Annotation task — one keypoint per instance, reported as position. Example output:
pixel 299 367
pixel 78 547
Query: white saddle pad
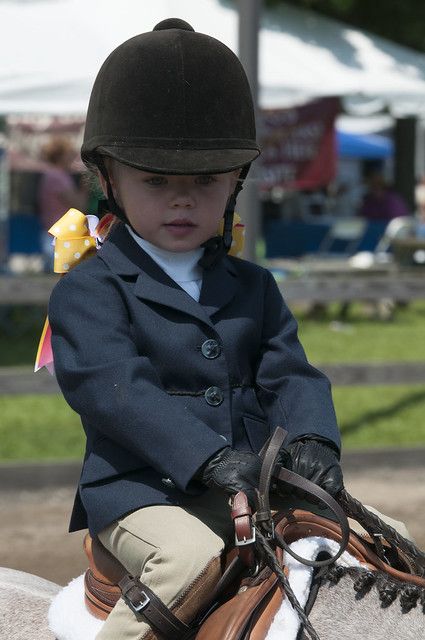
pixel 68 617
pixel 70 620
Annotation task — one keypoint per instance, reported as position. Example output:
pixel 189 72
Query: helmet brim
pixel 180 161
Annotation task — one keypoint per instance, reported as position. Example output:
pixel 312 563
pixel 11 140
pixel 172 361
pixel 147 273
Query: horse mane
pixel 389 589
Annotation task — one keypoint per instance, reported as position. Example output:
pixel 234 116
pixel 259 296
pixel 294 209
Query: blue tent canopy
pixel 355 145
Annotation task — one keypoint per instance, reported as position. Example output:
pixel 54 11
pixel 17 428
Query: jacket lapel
pixel 168 293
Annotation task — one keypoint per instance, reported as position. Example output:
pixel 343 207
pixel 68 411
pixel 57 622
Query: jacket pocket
pixel 257 432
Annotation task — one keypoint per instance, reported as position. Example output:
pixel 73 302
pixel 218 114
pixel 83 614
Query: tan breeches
pixel 168 547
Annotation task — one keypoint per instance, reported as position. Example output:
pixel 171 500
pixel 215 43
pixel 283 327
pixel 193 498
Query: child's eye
pixel 207 179
pixel 156 181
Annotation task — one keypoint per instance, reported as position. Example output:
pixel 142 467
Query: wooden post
pixel 404 161
pixel 248 204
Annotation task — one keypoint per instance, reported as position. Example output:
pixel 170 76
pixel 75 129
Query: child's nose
pixel 182 198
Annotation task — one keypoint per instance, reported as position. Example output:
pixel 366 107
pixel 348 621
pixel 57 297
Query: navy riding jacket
pixel 162 382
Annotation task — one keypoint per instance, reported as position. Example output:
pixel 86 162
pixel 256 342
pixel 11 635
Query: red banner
pixel 299 146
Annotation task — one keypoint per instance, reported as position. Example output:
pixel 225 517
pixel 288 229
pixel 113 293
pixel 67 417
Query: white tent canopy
pixel 304 56
pixel 51 50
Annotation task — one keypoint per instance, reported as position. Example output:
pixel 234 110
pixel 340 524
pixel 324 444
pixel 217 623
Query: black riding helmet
pixel 172 101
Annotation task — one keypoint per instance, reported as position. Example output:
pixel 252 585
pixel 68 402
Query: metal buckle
pixel 139 606
pixel 245 541
pixel 379 547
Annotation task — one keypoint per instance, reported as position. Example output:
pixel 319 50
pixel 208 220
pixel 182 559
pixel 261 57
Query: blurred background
pixel 335 208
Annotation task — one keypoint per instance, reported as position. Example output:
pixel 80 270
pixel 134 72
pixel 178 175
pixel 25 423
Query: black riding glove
pixel 232 471
pixel 316 461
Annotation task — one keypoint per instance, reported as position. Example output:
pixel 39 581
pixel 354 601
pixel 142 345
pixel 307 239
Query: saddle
pixel 244 596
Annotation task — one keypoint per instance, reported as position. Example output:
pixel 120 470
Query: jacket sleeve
pixel 293 394
pixel 112 387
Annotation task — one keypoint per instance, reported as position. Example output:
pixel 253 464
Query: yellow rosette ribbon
pixel 74 241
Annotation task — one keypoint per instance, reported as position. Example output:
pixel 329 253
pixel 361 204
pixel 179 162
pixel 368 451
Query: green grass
pixel 44 427
pixel 39 427
pixel 387 416
pixel 20 330
pixel 360 338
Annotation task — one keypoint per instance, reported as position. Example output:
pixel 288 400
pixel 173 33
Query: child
pixel 179 359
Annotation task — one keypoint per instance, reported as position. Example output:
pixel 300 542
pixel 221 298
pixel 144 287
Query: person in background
pixel 381 202
pixel 58 191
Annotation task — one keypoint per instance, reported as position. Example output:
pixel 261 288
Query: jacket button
pixel 210 349
pixel 214 396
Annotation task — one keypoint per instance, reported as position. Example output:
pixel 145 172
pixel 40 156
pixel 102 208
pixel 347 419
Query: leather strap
pixel 143 601
pixel 269 454
pixel 244 530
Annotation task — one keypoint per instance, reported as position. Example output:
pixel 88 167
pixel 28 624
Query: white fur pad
pixel 70 620
pixel 68 617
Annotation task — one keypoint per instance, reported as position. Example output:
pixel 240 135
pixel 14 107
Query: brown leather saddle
pixel 243 601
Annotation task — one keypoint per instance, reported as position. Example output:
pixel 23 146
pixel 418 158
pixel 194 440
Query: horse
pixel 24 603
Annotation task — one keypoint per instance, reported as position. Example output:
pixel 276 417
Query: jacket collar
pixel 125 258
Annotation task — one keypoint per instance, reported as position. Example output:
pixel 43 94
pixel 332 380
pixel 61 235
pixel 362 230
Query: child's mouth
pixel 180 227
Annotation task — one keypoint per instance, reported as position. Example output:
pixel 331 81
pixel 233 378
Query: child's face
pixel 176 213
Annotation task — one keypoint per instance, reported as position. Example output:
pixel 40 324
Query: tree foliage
pixel 399 20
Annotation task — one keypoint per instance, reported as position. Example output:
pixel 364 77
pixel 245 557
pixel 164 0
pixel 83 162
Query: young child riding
pixel 180 359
